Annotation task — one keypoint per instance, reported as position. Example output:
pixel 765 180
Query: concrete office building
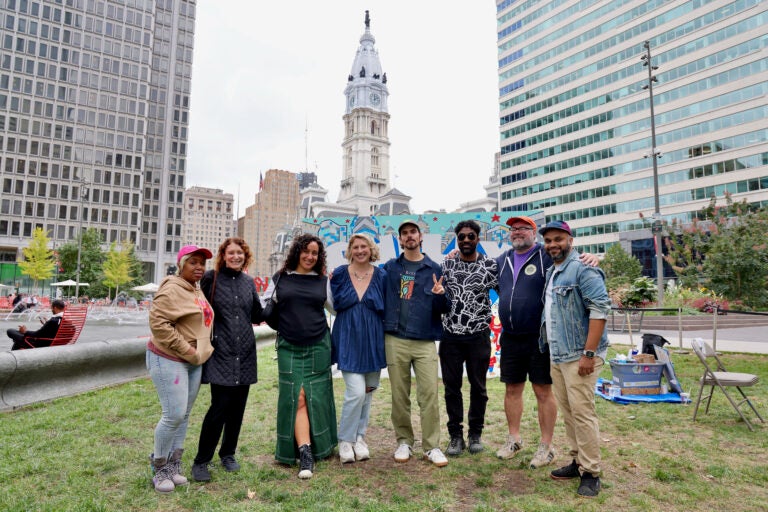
pixel 208 217
pixel 575 118
pixel 94 102
pixel 275 210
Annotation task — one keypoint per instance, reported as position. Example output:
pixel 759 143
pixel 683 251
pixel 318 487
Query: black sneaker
pixel 475 445
pixel 589 486
pixel 306 462
pixel 229 463
pixel 456 446
pixel 200 472
pixel 566 472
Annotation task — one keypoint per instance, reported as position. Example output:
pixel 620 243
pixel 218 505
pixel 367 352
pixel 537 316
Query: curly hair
pixel 474 226
pixel 371 245
pixel 298 246
pixel 221 253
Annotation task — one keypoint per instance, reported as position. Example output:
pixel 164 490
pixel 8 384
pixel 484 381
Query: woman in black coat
pixel 232 367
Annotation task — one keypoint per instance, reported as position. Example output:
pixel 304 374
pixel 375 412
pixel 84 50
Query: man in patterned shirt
pixel 466 336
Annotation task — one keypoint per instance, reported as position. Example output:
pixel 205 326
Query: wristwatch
pixel 589 354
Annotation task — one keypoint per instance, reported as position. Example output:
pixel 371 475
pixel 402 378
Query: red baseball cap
pixel 527 220
pixel 189 249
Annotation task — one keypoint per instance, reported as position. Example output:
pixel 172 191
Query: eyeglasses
pixel 517 230
pixel 468 236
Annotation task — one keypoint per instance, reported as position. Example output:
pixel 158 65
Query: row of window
pixel 695 109
pixel 710 126
pixel 31 188
pixel 726 77
pixel 619 39
pixel 633 53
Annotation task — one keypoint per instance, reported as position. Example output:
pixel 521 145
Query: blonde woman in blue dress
pixel 358 340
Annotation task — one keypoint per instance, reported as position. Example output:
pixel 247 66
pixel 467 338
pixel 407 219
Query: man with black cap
pixel 521 286
pixel 576 306
pixel 414 302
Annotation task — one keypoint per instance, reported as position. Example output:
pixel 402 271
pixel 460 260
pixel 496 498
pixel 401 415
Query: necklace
pixel 361 277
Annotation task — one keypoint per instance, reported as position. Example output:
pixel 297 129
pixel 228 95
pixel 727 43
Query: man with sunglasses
pixel 466 336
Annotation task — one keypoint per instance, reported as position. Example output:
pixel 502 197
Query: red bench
pixel 72 323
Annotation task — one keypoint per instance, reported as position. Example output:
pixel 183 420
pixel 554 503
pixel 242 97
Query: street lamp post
pixel 83 194
pixel 655 155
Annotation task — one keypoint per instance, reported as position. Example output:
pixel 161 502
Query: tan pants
pixel 575 397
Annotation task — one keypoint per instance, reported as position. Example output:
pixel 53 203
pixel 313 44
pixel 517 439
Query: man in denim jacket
pixel 576 305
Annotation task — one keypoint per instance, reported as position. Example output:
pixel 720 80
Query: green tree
pixel 621 268
pixel 117 266
pixel 91 261
pixel 39 263
pixel 725 250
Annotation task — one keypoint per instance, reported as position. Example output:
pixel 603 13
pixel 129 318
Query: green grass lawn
pixel 89 453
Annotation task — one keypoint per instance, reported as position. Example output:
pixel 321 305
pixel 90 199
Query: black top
pixel 236 308
pixel 300 303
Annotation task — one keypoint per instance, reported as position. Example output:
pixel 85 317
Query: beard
pixel 521 244
pixel 467 250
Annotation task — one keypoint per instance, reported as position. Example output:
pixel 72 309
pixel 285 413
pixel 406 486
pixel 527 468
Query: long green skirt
pixel 307 367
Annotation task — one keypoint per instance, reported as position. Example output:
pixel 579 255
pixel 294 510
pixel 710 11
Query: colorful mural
pixel 437 229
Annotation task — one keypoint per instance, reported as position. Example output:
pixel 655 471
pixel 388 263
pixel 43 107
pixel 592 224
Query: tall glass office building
pixel 94 102
pixel 575 118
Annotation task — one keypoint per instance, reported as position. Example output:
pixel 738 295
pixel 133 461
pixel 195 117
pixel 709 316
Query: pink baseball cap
pixel 189 249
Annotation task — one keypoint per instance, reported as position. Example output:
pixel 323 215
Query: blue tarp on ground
pixel 631 399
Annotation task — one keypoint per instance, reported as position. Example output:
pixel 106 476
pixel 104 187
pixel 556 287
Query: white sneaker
pixel 403 453
pixel 436 457
pixel 543 456
pixel 511 448
pixel 345 452
pixel 361 449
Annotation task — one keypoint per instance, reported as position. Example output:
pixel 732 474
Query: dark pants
pixel 18 339
pixel 475 353
pixel 226 413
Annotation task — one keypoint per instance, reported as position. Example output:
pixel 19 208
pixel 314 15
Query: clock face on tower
pixel 351 101
pixel 375 98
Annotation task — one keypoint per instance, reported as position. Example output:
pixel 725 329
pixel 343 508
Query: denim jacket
pixel 579 295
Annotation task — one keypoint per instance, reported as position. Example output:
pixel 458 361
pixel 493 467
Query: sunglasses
pixel 467 236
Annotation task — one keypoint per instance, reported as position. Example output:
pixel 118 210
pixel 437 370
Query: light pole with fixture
pixel 83 194
pixel 655 155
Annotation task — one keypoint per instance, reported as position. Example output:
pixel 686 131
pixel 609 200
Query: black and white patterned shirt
pixel 467 284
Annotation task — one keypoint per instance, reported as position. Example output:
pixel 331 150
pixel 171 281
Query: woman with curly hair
pixel 300 292
pixel 232 368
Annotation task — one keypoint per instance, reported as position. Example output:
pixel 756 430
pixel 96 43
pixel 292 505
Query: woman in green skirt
pixel 303 357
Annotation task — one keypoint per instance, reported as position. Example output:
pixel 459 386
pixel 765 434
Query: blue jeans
pixel 357 404
pixel 177 384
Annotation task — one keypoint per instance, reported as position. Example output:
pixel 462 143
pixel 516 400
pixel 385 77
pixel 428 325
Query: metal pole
pixel 80 241
pixel 656 229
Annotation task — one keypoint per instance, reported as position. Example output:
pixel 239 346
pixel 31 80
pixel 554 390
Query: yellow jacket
pixel 181 317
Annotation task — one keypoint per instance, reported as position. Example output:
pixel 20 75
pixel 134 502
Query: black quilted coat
pixel 236 308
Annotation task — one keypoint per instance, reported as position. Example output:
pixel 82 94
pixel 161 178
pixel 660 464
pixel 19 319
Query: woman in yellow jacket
pixel 180 320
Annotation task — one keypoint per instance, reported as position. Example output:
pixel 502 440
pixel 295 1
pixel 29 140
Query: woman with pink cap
pixel 180 320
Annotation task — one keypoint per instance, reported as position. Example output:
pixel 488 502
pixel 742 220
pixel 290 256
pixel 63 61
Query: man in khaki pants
pixel 576 305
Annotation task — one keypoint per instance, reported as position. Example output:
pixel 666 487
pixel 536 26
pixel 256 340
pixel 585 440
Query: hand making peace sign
pixel 438 289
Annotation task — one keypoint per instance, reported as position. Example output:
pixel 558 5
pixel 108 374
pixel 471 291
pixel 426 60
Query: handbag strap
pixel 213 286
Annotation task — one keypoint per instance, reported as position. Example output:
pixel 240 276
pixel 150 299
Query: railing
pixel 626 324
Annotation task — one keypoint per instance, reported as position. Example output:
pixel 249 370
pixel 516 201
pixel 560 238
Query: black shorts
pixel 521 359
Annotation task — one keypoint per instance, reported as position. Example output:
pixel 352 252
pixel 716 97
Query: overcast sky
pixel 263 70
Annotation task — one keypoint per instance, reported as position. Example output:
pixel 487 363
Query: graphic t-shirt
pixel 407 281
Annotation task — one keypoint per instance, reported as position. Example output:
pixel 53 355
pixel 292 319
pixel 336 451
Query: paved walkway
pixel 748 339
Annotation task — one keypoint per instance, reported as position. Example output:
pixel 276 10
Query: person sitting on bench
pixel 24 338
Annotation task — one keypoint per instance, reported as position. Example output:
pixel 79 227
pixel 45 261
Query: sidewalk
pixel 751 340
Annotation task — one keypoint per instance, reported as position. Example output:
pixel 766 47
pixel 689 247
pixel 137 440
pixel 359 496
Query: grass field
pixel 89 453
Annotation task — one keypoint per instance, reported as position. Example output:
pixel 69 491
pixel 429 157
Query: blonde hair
pixel 371 245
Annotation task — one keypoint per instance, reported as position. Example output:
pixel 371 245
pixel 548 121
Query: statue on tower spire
pixel 367 20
